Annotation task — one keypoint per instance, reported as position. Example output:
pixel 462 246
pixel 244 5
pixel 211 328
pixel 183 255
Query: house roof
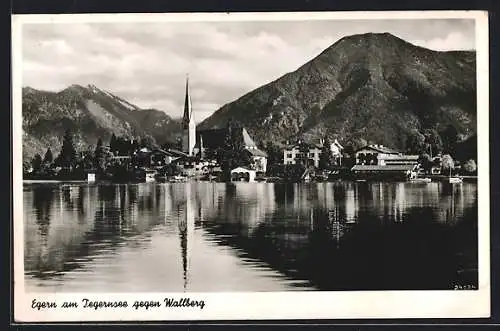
pixel 164 152
pixel 401 157
pixel 380 149
pixel 336 142
pixel 242 169
pixel 170 152
pixel 404 167
pixel 312 144
pixel 175 152
pixel 298 145
pixel 257 152
pixel 144 150
pixel 247 140
pixel 186 158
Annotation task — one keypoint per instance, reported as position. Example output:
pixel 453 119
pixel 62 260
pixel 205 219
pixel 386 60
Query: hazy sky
pixel 146 63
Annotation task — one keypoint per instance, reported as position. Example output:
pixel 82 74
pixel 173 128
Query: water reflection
pixel 250 237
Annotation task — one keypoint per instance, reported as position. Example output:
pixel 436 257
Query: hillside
pixel 372 86
pixel 90 113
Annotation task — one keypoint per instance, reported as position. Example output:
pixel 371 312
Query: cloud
pixel 146 63
pixel 453 41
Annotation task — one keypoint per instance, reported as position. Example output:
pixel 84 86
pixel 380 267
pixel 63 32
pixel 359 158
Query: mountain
pixel 90 113
pixel 372 86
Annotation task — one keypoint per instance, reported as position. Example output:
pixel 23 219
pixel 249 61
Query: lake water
pixel 205 237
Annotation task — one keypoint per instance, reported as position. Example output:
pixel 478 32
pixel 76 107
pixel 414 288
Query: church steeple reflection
pixel 183 241
pixel 186 212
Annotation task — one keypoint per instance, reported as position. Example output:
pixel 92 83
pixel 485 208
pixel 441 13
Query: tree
pixel 358 143
pixel 447 162
pixel 113 146
pixel 293 172
pixel 67 157
pixel 326 158
pixel 348 150
pixel 233 154
pixel 425 162
pixel 303 155
pixel 178 143
pixel 274 154
pixel 36 163
pixel 100 156
pixel 433 142
pixel 349 155
pixel 450 138
pixel 470 166
pixel 171 169
pixel 48 158
pixel 26 166
pixel 149 142
pixel 134 145
pixel 87 161
pixel 415 143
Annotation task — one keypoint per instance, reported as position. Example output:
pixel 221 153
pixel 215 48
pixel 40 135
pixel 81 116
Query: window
pixel 289 155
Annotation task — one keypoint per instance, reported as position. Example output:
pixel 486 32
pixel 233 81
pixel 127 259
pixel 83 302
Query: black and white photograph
pixel 253 154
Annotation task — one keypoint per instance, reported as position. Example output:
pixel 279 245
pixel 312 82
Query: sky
pixel 146 63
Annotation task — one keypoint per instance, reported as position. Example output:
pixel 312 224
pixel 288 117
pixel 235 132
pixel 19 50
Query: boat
pixel 161 178
pixel 454 180
pixel 178 178
pixel 145 175
pixel 421 180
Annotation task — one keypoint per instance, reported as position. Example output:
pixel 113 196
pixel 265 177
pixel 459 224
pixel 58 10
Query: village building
pixel 293 152
pixel 192 165
pixel 243 174
pixel 382 155
pixel 215 139
pixel 436 165
pixel 155 158
pixel 380 161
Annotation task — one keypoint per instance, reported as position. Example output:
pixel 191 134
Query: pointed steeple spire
pixel 202 150
pixel 188 111
pixel 188 124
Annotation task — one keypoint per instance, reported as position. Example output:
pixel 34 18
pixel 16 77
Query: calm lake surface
pixel 204 237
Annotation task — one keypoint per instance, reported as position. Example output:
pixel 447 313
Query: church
pixel 188 124
pixel 194 143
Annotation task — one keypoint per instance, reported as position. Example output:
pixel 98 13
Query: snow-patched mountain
pixel 90 113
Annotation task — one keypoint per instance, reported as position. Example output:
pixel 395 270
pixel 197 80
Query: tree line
pixel 70 163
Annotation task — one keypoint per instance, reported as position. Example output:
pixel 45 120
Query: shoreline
pixel 435 179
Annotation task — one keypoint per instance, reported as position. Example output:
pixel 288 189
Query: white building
pixel 245 174
pixel 292 152
pixel 381 155
pixel 378 160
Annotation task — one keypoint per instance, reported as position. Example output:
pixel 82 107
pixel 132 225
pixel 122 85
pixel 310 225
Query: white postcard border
pixel 262 305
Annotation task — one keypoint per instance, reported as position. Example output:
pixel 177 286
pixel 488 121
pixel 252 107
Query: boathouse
pixel 243 174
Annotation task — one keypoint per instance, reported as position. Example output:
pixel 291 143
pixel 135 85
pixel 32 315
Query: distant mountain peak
pixel 91 113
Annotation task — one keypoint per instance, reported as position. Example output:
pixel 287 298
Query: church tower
pixel 188 124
